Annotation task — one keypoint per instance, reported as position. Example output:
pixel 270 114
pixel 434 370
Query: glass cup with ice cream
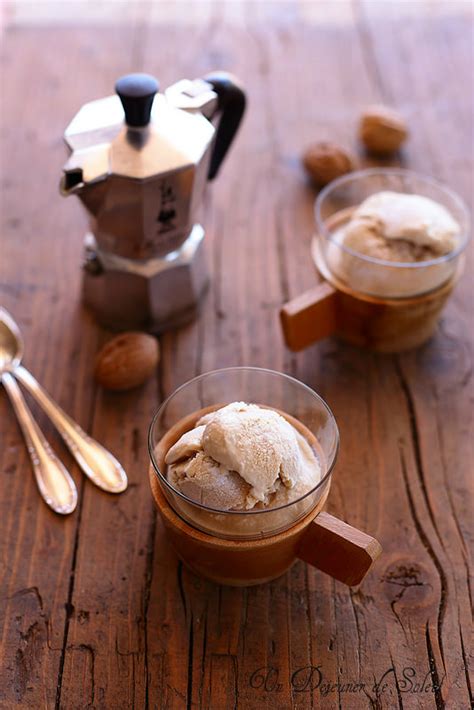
pixel 241 467
pixel 389 246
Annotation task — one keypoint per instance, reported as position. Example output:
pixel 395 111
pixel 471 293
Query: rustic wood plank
pixel 36 546
pixel 41 253
pixel 217 641
pixel 96 610
pixel 329 606
pixel 437 392
pixel 357 364
pixel 105 648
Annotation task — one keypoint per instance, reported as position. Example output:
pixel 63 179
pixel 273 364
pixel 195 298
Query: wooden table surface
pixel 96 610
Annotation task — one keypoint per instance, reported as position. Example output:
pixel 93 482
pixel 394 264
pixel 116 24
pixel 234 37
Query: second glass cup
pixel 384 305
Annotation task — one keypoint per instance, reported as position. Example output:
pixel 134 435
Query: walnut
pixel 127 361
pixel 382 129
pixel 326 161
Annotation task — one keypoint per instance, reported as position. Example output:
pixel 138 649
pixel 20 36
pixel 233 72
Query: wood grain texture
pixel 96 611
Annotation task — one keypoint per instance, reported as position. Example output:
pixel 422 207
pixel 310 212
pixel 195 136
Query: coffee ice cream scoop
pixel 204 480
pixel 400 227
pixel 240 456
pixel 394 227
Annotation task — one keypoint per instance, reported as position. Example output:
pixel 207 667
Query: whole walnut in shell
pixel 325 162
pixel 127 361
pixel 382 129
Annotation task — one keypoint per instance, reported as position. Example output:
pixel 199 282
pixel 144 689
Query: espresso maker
pixel 139 162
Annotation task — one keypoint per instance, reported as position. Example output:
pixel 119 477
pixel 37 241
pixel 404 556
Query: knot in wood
pixel 407 583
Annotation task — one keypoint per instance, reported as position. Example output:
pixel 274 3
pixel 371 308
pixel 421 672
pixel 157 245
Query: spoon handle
pixel 98 464
pixel 54 482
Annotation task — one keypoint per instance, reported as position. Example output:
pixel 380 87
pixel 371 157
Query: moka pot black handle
pixel 231 102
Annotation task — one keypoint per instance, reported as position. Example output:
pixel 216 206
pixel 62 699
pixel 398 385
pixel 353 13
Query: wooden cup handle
pixel 338 549
pixel 309 317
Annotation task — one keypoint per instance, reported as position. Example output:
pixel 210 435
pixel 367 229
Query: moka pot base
pixel 318 538
pixel 155 294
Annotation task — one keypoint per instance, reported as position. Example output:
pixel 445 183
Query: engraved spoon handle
pixel 54 482
pixel 98 464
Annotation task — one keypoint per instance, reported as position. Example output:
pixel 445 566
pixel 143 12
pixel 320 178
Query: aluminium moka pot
pixel 139 162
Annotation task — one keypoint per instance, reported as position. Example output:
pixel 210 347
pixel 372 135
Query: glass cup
pixel 246 547
pixel 385 305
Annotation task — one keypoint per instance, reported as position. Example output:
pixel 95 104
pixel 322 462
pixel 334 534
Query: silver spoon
pixel 98 464
pixel 54 482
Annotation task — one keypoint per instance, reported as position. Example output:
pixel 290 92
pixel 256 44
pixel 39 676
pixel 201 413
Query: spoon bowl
pixel 11 342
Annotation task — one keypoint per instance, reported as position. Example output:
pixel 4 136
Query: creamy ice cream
pixel 398 227
pixel 242 457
